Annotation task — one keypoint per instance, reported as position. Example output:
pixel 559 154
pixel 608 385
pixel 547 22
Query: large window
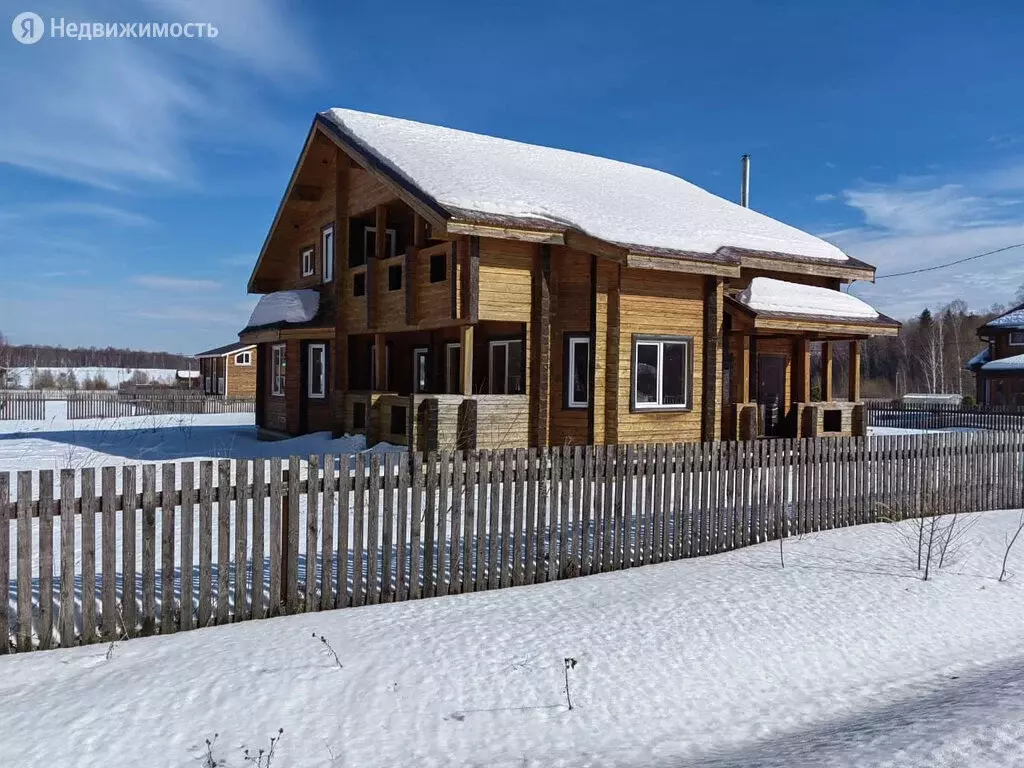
pixel 505 369
pixel 577 371
pixel 453 368
pixel 277 369
pixel 661 372
pixel 317 374
pixel 307 262
pixel 1017 338
pixel 327 252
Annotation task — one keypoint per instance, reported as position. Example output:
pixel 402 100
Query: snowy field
pixel 58 443
pixel 113 376
pixel 842 658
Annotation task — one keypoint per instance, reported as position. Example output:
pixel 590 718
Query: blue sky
pixel 138 177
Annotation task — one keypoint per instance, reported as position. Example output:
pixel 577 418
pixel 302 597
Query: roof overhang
pixel 815 326
pixel 774 261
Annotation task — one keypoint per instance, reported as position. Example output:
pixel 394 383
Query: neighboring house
pixel 442 288
pixel 999 368
pixel 229 370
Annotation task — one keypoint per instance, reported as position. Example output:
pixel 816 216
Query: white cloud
pixel 915 223
pixel 824 197
pixel 118 113
pixel 165 283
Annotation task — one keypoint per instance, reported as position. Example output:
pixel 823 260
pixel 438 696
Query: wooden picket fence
pixel 210 543
pixel 22 406
pixel 116 406
pixel 944 416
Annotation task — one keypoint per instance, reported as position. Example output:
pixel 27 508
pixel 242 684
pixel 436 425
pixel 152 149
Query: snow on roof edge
pixel 766 294
pixel 612 200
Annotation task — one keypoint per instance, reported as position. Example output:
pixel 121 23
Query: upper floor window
pixel 243 358
pixel 277 369
pixel 370 242
pixel 327 252
pixel 661 372
pixel 1017 338
pixel 307 262
pixel 359 284
pixel 438 267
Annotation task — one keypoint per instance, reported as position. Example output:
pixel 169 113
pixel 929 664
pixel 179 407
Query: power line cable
pixel 951 263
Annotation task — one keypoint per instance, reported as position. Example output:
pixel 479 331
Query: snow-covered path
pixel 844 657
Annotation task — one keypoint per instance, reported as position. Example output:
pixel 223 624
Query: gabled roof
pixel 227 349
pixel 469 175
pixel 1013 320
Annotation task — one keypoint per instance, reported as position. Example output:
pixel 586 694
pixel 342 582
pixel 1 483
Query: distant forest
pixel 40 356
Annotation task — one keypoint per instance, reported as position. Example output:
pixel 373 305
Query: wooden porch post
pixel 854 371
pixel 412 258
pixel 741 367
pixel 801 370
pixel 711 422
pixel 826 371
pixel 380 362
pixel 373 262
pixel 338 359
pixel 466 360
pixel 540 346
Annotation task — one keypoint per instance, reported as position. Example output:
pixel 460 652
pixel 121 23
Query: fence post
pixel 286 513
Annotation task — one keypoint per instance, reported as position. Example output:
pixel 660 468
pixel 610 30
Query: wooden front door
pixel 771 392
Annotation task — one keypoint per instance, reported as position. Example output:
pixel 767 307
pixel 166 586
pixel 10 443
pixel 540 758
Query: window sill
pixel 661 409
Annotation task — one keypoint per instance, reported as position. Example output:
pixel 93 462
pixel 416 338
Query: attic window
pixel 1017 339
pixel 359 284
pixel 307 262
pixel 395 277
pixel 438 267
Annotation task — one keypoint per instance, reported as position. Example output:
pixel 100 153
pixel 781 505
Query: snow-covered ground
pixel 58 443
pixel 843 657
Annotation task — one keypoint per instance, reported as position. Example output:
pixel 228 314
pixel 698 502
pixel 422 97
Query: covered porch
pixel 459 387
pixel 792 360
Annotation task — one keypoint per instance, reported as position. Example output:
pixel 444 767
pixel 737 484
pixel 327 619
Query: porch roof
pixel 778 305
pixel 1014 363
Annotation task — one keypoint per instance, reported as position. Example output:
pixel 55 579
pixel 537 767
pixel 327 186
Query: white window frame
pixel 308 262
pixel 425 351
pixel 575 341
pixel 490 363
pixel 243 358
pixel 1020 339
pixel 322 350
pixel 452 387
pixel 327 252
pixel 660 342
pixel 277 359
pixel 391 236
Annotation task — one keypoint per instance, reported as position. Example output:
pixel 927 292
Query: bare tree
pixel 1009 546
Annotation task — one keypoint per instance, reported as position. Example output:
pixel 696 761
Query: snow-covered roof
pixel 614 201
pixel 766 294
pixel 298 306
pixel 227 349
pixel 979 359
pixel 1012 320
pixel 187 374
pixel 1015 363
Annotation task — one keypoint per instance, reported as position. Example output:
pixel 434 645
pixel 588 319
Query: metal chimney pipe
pixel 745 181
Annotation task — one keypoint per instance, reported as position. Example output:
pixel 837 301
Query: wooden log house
pixel 445 289
pixel 999 368
pixel 229 371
